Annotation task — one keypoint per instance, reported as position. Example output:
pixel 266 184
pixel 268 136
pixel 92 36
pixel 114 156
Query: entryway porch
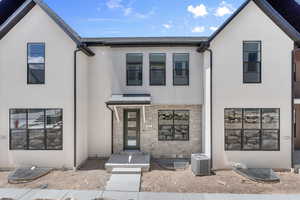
pixel 129 159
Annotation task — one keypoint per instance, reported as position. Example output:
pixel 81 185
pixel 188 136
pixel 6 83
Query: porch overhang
pixel 129 100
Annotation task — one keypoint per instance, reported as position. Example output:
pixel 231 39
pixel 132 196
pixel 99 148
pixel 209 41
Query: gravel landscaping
pixel 92 176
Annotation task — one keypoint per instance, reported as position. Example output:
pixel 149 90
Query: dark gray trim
pixel 142 68
pixel 165 69
pixel 27 6
pixel 44 81
pixel 45 129
pixel 260 129
pixel 278 19
pixel 271 13
pixel 173 64
pixel 112 128
pixel 293 124
pixel 260 71
pixel 126 128
pixel 75 107
pixel 128 102
pixel 145 41
pixel 16 17
pixel 173 126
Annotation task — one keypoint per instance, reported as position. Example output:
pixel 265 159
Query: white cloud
pixel 114 4
pixel 144 15
pixel 167 26
pixel 197 11
pixel 224 9
pixel 213 28
pixel 198 29
pixel 127 11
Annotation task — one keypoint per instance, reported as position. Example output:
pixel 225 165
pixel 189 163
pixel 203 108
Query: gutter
pixel 202 48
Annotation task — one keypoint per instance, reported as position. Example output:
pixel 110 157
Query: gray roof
pixel 270 12
pixel 142 41
pixel 26 7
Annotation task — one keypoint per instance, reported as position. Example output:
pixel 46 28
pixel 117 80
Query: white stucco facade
pixel 57 92
pixel 104 74
pixel 230 92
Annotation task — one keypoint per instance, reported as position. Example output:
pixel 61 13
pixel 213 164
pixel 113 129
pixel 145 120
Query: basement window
pixel 252 129
pixel 36 129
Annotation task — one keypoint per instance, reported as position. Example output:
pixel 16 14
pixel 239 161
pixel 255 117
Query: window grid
pixel 35 63
pixel 261 130
pixel 257 62
pixel 162 70
pixel 173 125
pixel 44 129
pixel 185 71
pixel 140 71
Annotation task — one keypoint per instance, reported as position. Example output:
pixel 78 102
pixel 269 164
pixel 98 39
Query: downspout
pixel 112 128
pixel 211 108
pixel 205 47
pixel 75 107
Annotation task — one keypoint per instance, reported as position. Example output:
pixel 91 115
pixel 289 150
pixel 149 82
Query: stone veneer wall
pixel 149 132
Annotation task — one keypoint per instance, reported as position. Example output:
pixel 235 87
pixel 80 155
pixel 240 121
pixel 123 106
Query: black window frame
pixel 245 62
pixel 27 129
pixel 261 130
pixel 173 126
pixel 127 83
pixel 188 70
pixel 44 63
pixel 150 74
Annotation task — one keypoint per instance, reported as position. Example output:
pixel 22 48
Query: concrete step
pixel 126 170
pixel 124 183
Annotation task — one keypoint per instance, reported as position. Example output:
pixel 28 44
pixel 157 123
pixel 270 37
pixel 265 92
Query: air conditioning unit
pixel 200 164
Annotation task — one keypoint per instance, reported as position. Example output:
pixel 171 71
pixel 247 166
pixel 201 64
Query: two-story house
pixel 65 98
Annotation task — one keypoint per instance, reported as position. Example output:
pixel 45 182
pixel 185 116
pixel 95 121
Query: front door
pixel 131 129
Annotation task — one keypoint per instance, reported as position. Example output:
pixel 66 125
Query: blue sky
pixel 126 18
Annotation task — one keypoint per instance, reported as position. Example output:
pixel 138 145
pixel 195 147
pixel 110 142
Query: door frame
pixel 125 128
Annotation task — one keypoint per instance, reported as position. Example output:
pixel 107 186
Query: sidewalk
pixel 33 194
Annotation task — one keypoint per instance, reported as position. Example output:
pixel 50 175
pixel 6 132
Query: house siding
pixel 230 92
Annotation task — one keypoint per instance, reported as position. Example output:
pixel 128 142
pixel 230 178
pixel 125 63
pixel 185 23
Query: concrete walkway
pixel 33 194
pixel 124 180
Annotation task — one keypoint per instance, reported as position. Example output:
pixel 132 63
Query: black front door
pixel 131 129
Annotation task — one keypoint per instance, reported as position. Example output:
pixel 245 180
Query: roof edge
pixel 229 20
pixel 16 17
pixel 276 17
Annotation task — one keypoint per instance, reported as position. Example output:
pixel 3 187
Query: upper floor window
pixel 252 62
pixel 181 69
pixel 134 68
pixel 36 63
pixel 157 69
